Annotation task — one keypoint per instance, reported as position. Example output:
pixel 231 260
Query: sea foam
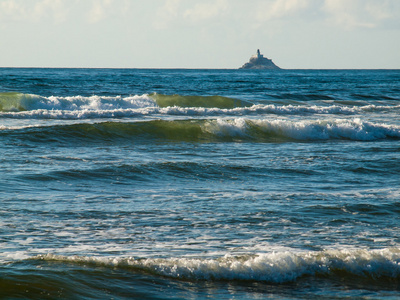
pixel 276 267
pixel 16 105
pixel 214 130
pixel 28 102
pixel 354 129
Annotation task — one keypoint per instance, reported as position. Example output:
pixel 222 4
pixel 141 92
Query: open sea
pixel 199 184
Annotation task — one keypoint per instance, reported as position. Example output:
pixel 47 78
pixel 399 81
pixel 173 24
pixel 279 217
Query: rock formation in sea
pixel 258 61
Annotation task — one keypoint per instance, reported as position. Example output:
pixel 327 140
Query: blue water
pixel 195 184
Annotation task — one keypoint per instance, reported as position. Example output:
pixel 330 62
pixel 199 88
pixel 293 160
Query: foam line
pixel 271 267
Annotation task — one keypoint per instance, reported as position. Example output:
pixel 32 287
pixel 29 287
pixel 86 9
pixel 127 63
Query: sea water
pixel 195 184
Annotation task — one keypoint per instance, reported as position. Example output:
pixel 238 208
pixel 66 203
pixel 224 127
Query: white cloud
pixel 99 10
pixel 60 10
pixel 206 10
pixel 103 9
pixel 54 8
pixel 280 8
pixel 10 7
pixel 361 13
pixel 348 14
pixel 379 10
pixel 12 10
pixel 166 13
pixel 18 10
pixel 178 11
pixel 171 7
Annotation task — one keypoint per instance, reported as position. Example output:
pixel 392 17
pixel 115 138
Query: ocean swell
pixel 27 106
pixel 211 130
pixel 277 267
pixel 17 102
pixel 198 101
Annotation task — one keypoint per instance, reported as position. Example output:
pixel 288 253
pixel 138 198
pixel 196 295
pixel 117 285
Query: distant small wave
pixel 211 130
pixel 277 267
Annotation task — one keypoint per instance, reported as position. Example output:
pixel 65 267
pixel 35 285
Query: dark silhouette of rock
pixel 260 62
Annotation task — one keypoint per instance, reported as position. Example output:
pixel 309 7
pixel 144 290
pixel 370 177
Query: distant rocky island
pixel 259 62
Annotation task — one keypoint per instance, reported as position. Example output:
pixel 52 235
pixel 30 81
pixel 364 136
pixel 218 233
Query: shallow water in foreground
pixel 193 184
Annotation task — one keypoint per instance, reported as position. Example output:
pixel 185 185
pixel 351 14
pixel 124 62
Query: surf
pixel 19 102
pixel 30 106
pixel 210 130
pixel 276 267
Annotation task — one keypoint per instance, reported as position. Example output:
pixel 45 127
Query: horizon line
pixel 181 68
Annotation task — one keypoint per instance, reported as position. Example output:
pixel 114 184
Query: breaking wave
pixel 211 130
pixel 17 102
pixel 27 106
pixel 376 265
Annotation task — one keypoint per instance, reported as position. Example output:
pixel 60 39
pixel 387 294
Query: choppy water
pixel 194 184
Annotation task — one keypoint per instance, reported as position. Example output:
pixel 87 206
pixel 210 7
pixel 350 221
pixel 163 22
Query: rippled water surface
pixel 194 184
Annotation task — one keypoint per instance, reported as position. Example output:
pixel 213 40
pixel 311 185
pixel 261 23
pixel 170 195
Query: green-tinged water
pixel 198 101
pixel 197 184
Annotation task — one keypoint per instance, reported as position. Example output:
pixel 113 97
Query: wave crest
pixel 27 106
pixel 211 130
pixel 272 267
pixel 17 102
pixel 198 101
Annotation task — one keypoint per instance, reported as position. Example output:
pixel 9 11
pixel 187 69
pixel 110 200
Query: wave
pixel 26 106
pixel 198 101
pixel 17 102
pixel 211 130
pixel 14 102
pixel 277 267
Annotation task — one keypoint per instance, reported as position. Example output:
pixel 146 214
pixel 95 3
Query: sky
pixel 295 34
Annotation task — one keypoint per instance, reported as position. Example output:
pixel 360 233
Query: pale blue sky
pixel 199 33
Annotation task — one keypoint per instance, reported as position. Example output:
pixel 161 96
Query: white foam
pixel 263 128
pixel 272 267
pixel 81 107
pixel 76 103
pixel 351 129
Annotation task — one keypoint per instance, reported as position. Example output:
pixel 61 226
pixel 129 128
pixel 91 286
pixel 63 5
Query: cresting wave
pixel 211 130
pixel 26 106
pixel 14 102
pixel 17 102
pixel 272 267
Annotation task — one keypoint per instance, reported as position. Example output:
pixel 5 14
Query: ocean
pixel 199 184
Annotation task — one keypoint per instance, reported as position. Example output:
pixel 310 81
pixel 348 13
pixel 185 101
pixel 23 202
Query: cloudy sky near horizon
pixel 199 33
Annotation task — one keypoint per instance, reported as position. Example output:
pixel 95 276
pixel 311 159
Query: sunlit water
pixel 191 184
